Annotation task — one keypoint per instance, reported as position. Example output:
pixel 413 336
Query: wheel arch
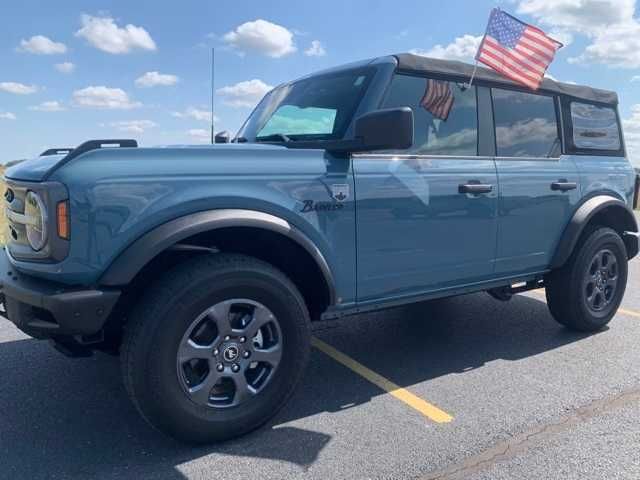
pixel 606 210
pixel 152 245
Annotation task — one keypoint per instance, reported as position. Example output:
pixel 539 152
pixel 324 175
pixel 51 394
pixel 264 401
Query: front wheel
pixel 586 292
pixel 215 348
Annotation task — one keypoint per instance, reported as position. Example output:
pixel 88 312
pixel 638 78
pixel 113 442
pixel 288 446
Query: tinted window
pixel 526 124
pixel 594 127
pixel 315 108
pixel 293 120
pixel 445 116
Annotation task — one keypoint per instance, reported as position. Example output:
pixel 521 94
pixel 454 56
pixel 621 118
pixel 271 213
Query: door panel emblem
pixel 340 192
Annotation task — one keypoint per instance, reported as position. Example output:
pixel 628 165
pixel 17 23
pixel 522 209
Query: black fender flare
pixel 127 265
pixel 581 218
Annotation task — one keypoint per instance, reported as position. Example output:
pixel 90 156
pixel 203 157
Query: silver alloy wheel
pixel 229 353
pixel 601 280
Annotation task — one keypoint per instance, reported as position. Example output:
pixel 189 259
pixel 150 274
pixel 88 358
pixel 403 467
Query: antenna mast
pixel 213 58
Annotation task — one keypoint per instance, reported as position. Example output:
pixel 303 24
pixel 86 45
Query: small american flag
pixel 517 50
pixel 438 99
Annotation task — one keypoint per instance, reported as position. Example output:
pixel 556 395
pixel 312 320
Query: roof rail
pixel 56 151
pixel 93 145
pixel 97 145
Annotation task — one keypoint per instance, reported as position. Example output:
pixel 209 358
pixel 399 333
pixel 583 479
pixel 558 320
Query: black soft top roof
pixel 411 62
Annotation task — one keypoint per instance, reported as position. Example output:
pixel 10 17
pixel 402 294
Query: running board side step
pixel 504 294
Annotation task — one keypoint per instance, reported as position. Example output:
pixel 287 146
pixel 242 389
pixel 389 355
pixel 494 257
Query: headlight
pixel 36 212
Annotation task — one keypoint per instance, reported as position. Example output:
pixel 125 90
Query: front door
pixel 426 217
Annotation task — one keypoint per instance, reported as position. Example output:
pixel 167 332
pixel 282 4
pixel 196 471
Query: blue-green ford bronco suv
pixel 376 184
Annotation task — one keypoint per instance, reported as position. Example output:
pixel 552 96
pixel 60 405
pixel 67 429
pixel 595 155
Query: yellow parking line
pixel 425 408
pixel 624 311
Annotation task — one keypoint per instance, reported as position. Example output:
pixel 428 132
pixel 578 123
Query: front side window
pixel 300 121
pixel 595 128
pixel 526 124
pixel 315 108
pixel 445 115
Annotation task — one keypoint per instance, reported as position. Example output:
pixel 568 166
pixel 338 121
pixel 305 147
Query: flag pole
pixel 473 75
pixel 475 67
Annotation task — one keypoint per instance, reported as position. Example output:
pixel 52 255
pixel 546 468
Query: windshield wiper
pixel 275 137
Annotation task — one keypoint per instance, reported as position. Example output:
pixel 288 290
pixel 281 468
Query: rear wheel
pixel 586 292
pixel 215 348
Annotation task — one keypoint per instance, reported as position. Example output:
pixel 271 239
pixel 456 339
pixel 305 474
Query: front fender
pixel 618 216
pixel 147 247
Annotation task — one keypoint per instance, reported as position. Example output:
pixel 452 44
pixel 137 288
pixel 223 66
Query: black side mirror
pixel 388 129
pixel 223 137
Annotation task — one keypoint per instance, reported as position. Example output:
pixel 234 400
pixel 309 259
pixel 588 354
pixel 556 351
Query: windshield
pixel 316 108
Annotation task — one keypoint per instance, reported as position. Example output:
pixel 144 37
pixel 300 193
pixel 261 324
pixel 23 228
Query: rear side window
pixel 526 124
pixel 445 115
pixel 595 128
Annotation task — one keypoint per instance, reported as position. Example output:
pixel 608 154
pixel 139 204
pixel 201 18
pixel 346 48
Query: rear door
pixel 539 186
pixel 426 216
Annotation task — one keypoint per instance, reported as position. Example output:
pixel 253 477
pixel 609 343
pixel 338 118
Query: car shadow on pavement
pixel 64 417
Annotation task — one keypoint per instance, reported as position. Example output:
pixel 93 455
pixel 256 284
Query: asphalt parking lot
pixel 479 390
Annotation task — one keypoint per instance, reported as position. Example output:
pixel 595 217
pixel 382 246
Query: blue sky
pixel 76 70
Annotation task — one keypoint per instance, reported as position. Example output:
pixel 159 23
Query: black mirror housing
pixel 388 129
pixel 223 137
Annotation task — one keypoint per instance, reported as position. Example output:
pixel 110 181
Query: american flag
pixel 438 99
pixel 517 50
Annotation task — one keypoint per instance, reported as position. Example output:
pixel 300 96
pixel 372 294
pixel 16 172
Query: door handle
pixel 563 186
pixel 475 188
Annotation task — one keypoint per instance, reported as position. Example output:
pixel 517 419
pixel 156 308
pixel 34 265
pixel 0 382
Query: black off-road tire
pixel 161 318
pixel 567 295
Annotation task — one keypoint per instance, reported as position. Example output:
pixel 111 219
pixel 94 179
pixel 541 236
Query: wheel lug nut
pixel 243 339
pixel 220 367
pixel 246 354
pixel 227 338
pixel 235 367
pixel 215 351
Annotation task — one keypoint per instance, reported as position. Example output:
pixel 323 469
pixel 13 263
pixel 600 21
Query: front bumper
pixel 45 309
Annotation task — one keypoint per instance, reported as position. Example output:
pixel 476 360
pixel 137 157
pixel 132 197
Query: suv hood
pixel 33 170
pixel 37 169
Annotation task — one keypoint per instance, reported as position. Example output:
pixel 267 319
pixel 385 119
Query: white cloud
pixel 7 116
pixel 262 37
pixel 244 94
pixel 563 36
pixel 50 106
pixel 195 114
pixel 609 24
pixel 315 50
pixel 578 15
pixel 635 78
pixel 18 88
pixel 617 46
pixel 631 127
pixel 104 34
pixel 462 48
pixel 104 97
pixel 155 79
pixel 133 126
pixel 200 135
pixel 65 67
pixel 41 45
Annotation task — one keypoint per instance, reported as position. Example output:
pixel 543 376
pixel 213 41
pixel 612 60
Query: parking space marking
pixel 624 311
pixel 402 394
